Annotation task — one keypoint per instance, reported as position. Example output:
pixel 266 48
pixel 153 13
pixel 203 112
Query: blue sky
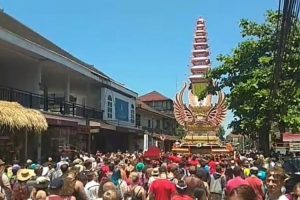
pixel 145 45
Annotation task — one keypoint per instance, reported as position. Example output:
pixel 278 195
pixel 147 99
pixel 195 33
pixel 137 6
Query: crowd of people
pixel 124 176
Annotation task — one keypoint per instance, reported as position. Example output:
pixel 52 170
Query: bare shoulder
pixel 79 185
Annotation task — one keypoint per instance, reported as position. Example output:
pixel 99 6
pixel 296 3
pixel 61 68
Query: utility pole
pixel 89 135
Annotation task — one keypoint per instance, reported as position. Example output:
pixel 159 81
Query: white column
pixel 67 87
pixel 146 136
pixel 89 96
pixel 39 90
pixel 38 79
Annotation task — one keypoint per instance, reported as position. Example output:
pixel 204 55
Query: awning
pixel 129 130
pixel 55 120
pixel 102 125
pixel 290 137
pixel 107 126
pixel 94 127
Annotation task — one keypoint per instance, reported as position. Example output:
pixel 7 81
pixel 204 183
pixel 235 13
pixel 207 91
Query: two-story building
pixel 155 116
pixel 84 107
pixel 158 102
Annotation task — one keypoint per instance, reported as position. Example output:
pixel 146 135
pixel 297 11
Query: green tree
pixel 221 133
pixel 248 73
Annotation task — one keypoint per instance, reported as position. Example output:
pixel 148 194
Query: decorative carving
pixel 194 116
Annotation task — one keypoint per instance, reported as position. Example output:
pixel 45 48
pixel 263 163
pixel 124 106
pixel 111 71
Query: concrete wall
pixel 23 76
pixel 94 96
pixel 85 92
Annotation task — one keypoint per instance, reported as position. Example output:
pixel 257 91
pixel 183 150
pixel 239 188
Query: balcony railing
pixel 49 104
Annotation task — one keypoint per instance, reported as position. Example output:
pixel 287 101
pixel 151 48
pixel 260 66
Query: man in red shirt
pixel 212 165
pixel 193 161
pixel 174 158
pixel 162 188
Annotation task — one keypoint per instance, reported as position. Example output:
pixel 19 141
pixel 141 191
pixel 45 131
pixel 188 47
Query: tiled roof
pixel 153 96
pixel 14 26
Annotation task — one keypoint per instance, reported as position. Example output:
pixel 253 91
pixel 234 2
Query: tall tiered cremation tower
pixel 200 118
pixel 200 63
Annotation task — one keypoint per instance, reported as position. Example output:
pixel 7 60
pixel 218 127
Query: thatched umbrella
pixel 37 120
pixel 13 116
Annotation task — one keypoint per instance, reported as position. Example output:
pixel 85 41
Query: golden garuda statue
pixel 199 116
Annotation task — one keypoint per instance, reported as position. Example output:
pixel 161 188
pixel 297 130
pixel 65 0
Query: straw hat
pixel 1 162
pixel 110 194
pixel 155 172
pixel 25 174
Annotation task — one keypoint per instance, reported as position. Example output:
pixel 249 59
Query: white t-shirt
pixel 6 183
pixel 91 190
pixel 123 187
pixel 283 197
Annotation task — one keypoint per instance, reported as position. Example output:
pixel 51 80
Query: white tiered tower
pixel 200 63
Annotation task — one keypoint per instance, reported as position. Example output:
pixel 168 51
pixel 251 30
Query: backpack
pixel 134 196
pixel 20 191
pixel 215 185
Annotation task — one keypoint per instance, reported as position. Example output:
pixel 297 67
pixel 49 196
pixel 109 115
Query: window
pixel 132 114
pixel 169 105
pixel 109 107
pixel 158 105
pixel 149 123
pixel 157 124
pixel 121 110
pixel 164 105
pixel 138 120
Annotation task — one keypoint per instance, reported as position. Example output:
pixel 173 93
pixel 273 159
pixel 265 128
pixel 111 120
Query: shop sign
pixel 294 147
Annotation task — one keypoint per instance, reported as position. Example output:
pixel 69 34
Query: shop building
pixel 85 109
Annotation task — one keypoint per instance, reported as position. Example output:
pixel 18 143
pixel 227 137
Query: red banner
pixel 289 137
